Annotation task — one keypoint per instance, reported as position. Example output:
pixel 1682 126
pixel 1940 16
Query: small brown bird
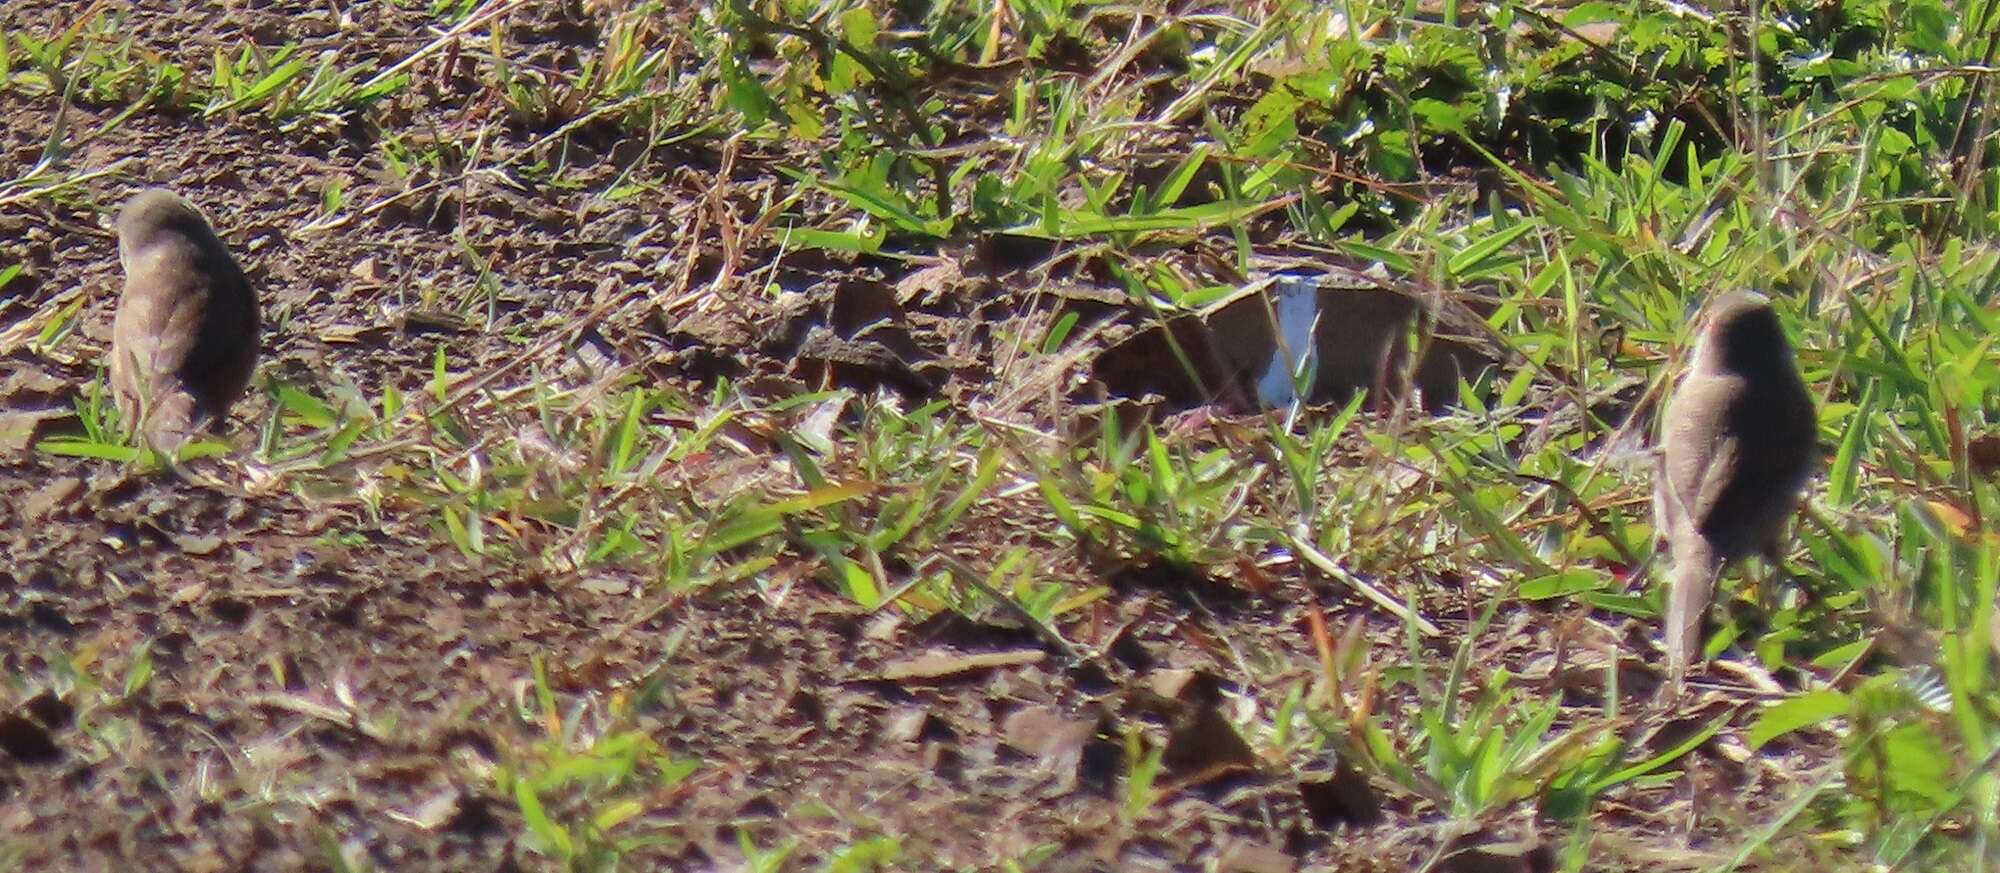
pixel 184 341
pixel 1738 440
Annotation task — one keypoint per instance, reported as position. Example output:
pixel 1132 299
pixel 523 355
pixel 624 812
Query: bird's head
pixel 1740 331
pixel 156 215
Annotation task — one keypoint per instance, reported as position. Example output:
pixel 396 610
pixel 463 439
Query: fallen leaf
pixel 940 664
pixel 928 282
pixel 1056 740
pixel 432 813
pixel 1246 857
pixel 606 585
pixel 198 544
pixel 19 430
pixel 369 271
pixel 906 725
pixel 1045 732
pixel 45 501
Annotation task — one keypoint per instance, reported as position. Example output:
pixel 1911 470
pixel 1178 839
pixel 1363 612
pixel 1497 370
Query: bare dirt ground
pixel 333 688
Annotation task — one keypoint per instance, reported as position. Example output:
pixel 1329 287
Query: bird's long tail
pixel 1690 586
pixel 167 416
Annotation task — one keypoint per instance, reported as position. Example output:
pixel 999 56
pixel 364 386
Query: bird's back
pixel 187 322
pixel 1737 452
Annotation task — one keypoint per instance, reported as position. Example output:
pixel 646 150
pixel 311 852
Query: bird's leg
pixel 1773 553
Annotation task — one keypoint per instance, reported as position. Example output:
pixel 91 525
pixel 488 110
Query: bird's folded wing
pixel 1722 473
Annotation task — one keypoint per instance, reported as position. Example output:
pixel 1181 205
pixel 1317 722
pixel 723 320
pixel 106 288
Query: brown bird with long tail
pixel 1737 447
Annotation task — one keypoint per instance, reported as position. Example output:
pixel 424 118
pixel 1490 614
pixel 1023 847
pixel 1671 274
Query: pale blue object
pixel 1296 303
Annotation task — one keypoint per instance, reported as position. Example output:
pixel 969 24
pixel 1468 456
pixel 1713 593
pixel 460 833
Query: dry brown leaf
pixel 940 664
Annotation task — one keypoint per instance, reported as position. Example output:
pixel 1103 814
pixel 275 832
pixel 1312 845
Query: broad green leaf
pixel 1797 713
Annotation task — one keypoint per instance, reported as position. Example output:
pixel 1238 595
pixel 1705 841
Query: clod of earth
pixel 1357 337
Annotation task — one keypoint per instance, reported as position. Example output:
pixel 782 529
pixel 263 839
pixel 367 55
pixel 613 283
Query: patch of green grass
pixel 581 789
pixel 94 61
